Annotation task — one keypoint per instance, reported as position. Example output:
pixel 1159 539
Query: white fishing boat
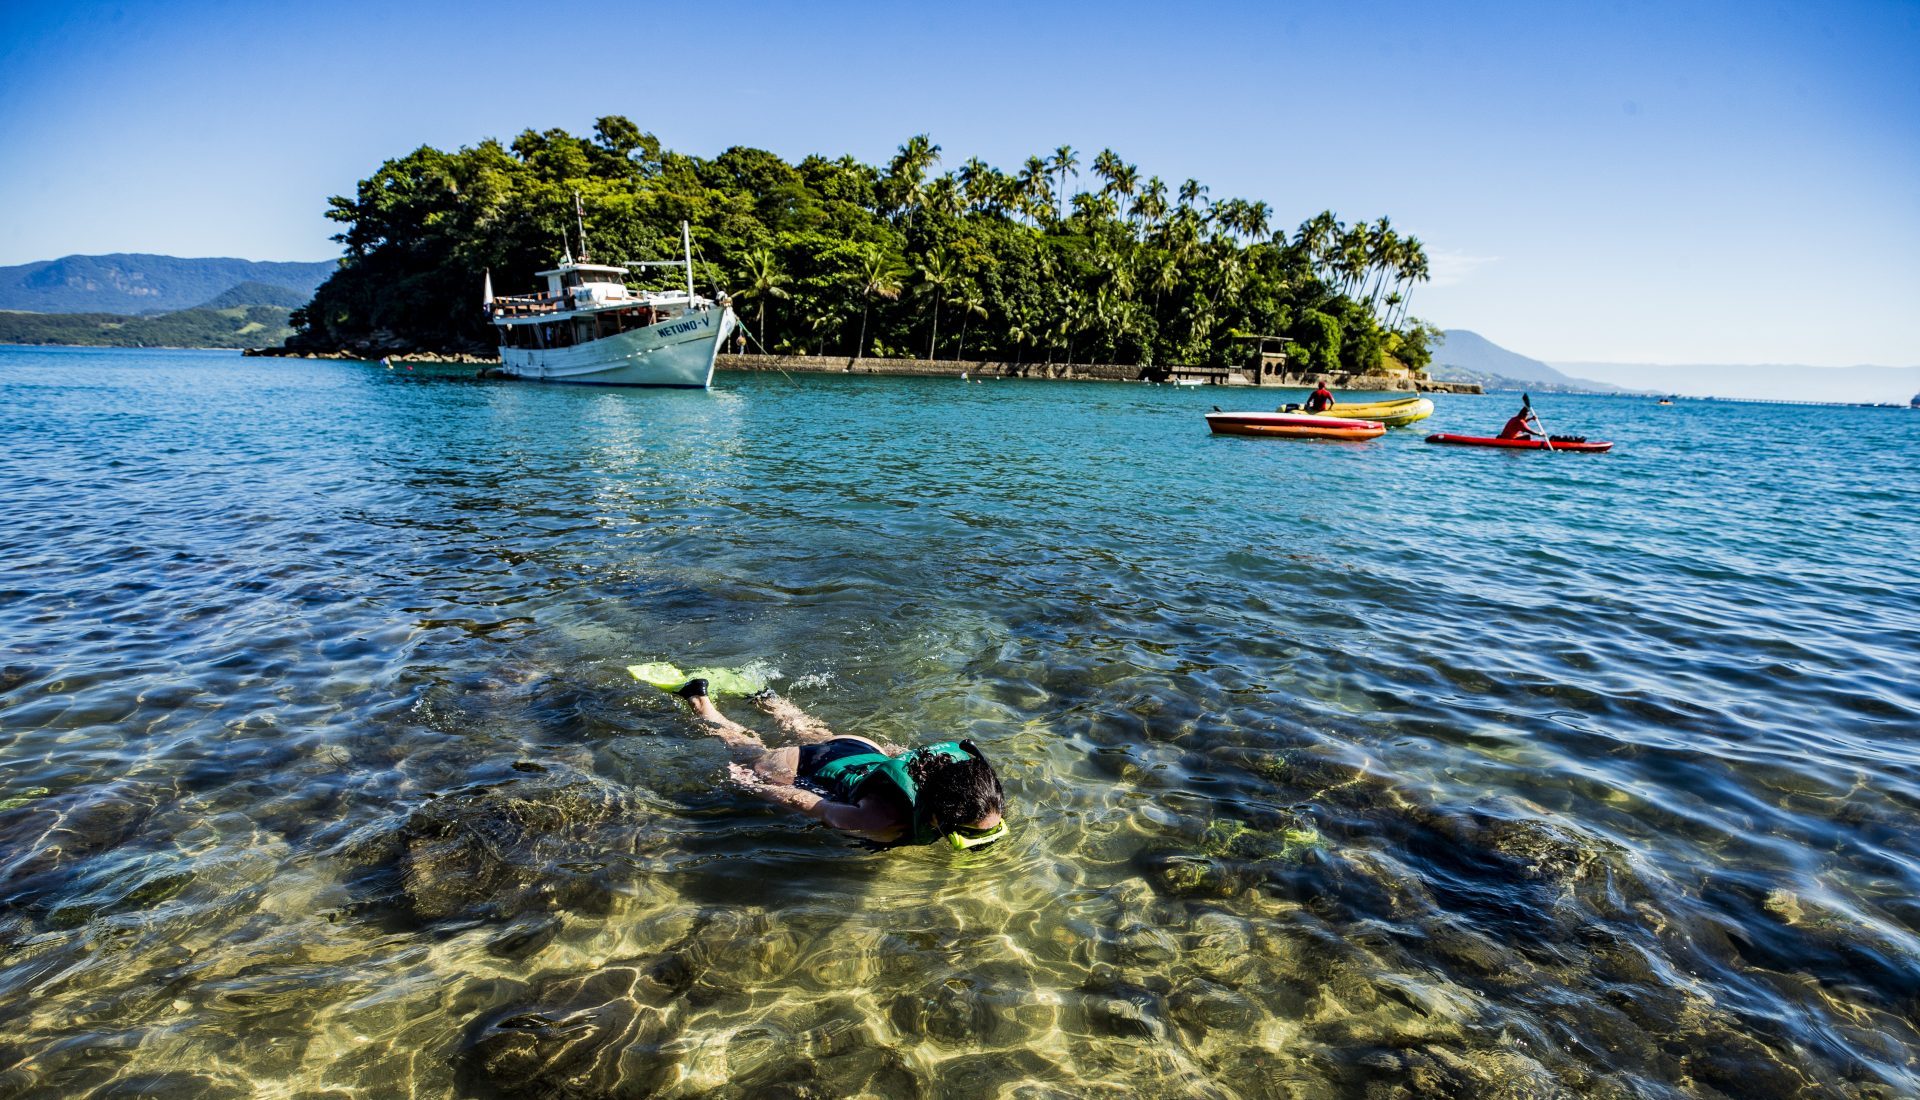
pixel 591 328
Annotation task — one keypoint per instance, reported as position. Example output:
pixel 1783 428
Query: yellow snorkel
pixel 962 839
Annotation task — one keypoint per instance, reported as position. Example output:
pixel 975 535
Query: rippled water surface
pixel 1370 770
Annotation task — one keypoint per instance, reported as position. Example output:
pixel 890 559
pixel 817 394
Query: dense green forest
pixel 241 326
pixel 836 257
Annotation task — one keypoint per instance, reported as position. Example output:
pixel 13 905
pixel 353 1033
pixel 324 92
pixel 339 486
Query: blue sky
pixel 1629 182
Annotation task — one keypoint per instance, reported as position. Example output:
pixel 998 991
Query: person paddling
pixel 1320 400
pixel 879 793
pixel 1523 423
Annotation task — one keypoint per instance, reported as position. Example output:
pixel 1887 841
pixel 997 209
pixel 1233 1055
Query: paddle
pixel 1526 402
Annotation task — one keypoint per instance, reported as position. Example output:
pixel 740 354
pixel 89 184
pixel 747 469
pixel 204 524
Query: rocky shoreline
pixel 953 368
pixel 374 357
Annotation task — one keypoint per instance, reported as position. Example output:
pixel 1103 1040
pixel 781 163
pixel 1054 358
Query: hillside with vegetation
pixel 240 326
pixel 139 283
pixel 1059 260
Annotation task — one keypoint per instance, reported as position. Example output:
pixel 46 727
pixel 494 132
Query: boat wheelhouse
pixel 590 327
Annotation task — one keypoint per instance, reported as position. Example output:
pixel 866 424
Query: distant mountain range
pixel 1764 381
pixel 136 283
pixel 1464 356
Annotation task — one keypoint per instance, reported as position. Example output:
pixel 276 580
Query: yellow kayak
pixel 1394 414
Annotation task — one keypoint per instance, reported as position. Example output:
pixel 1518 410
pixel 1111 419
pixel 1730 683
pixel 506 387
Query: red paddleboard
pixel 1293 425
pixel 1517 444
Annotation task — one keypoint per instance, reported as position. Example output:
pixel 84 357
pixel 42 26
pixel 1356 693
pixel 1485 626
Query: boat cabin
pixel 583 302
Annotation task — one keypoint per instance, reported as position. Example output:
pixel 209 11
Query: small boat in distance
pixel 590 328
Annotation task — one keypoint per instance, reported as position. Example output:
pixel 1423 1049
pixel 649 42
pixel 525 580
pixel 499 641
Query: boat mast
pixel 580 217
pixel 686 243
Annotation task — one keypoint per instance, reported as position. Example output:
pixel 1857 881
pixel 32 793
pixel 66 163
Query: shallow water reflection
pixel 1375 770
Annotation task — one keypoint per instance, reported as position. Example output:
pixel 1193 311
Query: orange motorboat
pixel 1281 425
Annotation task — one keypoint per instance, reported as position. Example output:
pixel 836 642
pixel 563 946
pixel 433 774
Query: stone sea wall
pixel 975 368
pixel 1075 372
pixel 934 368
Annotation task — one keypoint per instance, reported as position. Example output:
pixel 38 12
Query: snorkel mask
pixel 963 838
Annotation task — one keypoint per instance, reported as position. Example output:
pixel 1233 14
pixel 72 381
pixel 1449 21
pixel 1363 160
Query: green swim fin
pixel 720 681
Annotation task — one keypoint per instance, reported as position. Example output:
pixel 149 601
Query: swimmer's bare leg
pixel 745 743
pixel 804 727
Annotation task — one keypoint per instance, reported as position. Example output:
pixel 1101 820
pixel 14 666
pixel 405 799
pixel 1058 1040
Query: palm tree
pixel 971 305
pixel 1151 206
pixel 1193 193
pixel 1413 268
pixel 1383 249
pixel 764 280
pixel 975 182
pixel 1034 193
pixel 1164 276
pixel 908 171
pixel 1125 181
pixel 1064 161
pixel 1226 215
pixel 1022 332
pixel 941 197
pixel 878 276
pixel 1094 207
pixel 1254 220
pixel 1319 236
pixel 1355 254
pixel 936 275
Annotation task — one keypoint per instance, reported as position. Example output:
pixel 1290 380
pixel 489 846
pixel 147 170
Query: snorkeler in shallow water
pixel 877 792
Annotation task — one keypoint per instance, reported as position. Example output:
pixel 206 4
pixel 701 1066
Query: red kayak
pixel 1519 444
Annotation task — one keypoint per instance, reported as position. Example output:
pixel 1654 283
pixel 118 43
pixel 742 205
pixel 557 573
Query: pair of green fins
pixel 720 681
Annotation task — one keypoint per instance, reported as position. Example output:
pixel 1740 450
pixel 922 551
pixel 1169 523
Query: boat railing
pixel 529 306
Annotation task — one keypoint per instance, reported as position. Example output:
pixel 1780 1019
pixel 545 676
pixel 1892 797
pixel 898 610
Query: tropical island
pixel 840 258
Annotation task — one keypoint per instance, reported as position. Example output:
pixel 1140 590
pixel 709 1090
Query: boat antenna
pixel 580 216
pixel 686 242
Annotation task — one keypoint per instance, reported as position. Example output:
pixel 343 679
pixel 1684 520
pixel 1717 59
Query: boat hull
pixel 678 352
pixel 1518 444
pixel 1394 414
pixel 1293 426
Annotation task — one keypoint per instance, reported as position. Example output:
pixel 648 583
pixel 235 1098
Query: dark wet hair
pixel 956 792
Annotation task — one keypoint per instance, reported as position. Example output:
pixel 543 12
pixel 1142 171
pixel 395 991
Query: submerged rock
pixel 592 1035
pixel 526 936
pixel 532 843
pixel 1201 1006
pixel 44 837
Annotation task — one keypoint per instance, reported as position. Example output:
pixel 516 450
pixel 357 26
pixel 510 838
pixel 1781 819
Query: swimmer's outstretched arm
pixel 866 819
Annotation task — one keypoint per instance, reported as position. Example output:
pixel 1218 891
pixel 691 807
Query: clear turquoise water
pixel 1339 769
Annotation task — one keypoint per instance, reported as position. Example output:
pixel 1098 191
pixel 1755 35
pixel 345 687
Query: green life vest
pixel 849 777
